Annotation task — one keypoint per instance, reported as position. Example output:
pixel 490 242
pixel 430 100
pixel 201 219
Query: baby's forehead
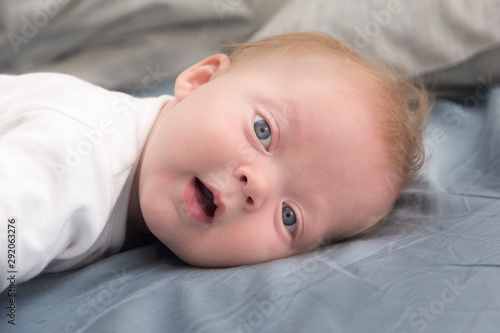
pixel 319 76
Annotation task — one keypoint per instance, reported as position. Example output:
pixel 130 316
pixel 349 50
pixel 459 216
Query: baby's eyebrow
pixel 284 109
pixel 289 110
pixel 286 112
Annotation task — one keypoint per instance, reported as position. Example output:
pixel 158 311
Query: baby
pixel 288 143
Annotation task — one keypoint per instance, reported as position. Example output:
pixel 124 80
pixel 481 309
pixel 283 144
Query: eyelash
pixel 273 126
pixel 298 224
pixel 265 142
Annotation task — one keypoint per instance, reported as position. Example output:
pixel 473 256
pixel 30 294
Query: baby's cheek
pixel 219 139
pixel 223 142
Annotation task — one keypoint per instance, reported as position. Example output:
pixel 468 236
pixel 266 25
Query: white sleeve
pixel 53 202
pixel 67 149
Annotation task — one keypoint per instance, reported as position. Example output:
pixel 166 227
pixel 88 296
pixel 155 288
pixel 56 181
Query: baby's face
pixel 262 162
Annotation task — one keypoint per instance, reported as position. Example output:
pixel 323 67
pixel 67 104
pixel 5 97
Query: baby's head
pixel 289 142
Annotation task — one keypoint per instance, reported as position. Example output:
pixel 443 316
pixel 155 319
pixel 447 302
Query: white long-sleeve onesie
pixel 68 153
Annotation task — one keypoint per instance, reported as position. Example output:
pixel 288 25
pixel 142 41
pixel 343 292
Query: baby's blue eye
pixel 289 218
pixel 263 131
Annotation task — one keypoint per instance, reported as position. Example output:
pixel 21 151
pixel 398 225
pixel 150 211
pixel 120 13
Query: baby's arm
pixel 18 190
pixel 67 149
pixel 49 202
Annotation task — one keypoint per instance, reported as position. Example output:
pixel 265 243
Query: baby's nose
pixel 255 189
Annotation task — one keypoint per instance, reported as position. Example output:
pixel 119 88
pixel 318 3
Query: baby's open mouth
pixel 205 198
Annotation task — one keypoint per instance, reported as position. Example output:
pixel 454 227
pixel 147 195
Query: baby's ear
pixel 199 74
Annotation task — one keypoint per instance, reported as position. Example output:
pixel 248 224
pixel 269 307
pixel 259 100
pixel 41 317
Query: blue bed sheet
pixel 434 266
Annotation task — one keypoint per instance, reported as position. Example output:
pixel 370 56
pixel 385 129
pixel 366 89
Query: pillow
pixel 452 44
pixel 127 45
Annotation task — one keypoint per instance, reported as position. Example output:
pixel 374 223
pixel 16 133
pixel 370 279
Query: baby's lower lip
pixel 192 205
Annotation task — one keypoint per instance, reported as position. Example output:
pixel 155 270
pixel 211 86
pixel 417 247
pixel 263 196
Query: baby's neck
pixel 137 232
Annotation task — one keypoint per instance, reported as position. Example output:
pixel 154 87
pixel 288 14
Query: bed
pixel 433 266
